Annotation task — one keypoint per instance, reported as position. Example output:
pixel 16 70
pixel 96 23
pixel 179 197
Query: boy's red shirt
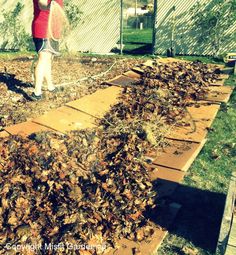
pixel 40 20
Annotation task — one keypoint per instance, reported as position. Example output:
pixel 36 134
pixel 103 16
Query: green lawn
pixel 202 194
pixel 207 60
pixel 138 41
pixel 12 54
pixel 138 36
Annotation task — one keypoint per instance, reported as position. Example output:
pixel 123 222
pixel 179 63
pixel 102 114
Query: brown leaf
pixel 12 219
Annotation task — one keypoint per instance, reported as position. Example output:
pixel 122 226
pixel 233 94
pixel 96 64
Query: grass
pixel 137 41
pixel 204 59
pixel 138 36
pixel 15 54
pixel 203 191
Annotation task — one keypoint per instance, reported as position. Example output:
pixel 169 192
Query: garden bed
pixel 16 84
pixel 128 133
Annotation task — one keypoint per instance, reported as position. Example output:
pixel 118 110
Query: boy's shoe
pixel 55 90
pixel 34 97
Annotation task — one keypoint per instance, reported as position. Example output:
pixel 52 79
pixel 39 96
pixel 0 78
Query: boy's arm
pixel 44 5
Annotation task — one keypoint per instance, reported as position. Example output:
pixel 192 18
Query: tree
pixel 13 33
pixel 73 12
pixel 211 20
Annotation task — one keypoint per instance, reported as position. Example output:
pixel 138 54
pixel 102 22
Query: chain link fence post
pixel 121 26
pixel 154 32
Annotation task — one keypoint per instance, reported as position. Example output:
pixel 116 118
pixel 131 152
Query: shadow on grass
pixel 199 219
pixel 133 49
pixel 136 43
pixel 145 49
pixel 14 84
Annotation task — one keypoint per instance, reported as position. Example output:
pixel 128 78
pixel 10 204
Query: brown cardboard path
pixel 165 173
pixel 81 113
pixel 219 82
pixel 25 128
pixel 166 179
pixel 138 70
pixel 204 113
pixel 65 119
pixel 3 134
pixel 178 155
pixel 132 74
pixel 122 80
pixel 149 247
pixel 189 133
pixel 219 94
pixel 98 103
pixel 224 77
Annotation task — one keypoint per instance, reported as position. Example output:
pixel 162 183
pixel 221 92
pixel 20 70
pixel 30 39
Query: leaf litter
pixel 92 186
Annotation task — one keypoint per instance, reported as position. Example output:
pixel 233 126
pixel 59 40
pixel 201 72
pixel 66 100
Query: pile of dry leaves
pixel 92 186
pixel 160 98
pixel 179 84
pixel 71 189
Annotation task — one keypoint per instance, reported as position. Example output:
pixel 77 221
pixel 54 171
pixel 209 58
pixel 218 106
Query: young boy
pixel 45 48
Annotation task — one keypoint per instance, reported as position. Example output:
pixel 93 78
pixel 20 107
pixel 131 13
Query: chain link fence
pixel 176 27
pixel 95 25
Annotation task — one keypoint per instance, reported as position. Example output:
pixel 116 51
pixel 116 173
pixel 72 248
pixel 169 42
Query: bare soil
pixel 75 77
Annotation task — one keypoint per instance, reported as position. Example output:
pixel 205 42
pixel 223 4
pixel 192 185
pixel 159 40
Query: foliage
pixel 131 3
pixel 73 13
pixel 146 19
pixel 13 33
pixel 211 20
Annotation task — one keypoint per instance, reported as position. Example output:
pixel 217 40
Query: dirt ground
pixel 73 75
